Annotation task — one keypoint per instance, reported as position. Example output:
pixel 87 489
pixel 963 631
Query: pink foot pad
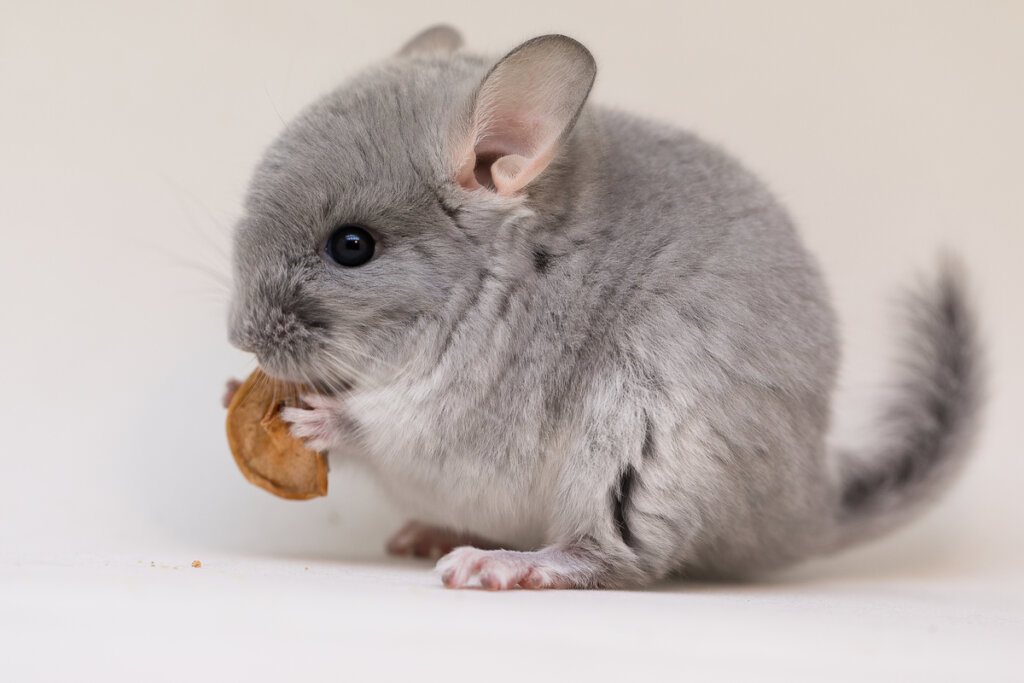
pixel 505 569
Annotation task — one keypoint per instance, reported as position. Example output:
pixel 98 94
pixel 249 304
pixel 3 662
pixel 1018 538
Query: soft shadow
pixel 919 552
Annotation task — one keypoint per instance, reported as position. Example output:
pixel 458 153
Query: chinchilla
pixel 590 345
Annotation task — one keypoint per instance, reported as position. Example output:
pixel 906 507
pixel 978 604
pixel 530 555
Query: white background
pixel 127 132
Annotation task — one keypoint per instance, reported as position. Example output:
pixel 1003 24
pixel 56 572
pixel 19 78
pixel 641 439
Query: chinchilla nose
pixel 267 331
pixel 279 337
pixel 277 321
pixel 239 328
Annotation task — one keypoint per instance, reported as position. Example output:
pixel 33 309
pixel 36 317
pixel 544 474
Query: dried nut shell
pixel 264 448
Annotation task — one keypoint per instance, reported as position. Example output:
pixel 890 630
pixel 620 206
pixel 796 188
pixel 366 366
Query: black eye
pixel 350 246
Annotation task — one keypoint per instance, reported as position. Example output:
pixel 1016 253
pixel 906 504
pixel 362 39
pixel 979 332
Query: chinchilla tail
pixel 926 428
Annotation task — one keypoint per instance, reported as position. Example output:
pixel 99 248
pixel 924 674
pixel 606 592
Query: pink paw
pixel 505 569
pixel 230 389
pixel 320 425
pixel 424 540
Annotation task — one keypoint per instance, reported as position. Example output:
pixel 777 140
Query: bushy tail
pixel 926 428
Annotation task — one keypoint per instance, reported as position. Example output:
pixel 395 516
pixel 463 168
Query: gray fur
pixel 928 422
pixel 440 39
pixel 631 361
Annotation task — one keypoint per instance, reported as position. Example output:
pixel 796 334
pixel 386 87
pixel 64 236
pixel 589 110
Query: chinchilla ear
pixel 437 40
pixel 524 108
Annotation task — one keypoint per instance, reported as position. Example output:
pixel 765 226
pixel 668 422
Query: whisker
pixel 338 383
pixel 219 248
pixel 216 276
pixel 274 105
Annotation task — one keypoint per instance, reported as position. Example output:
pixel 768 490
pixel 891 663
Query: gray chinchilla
pixel 595 341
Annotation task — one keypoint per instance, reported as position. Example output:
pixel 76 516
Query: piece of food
pixel 264 448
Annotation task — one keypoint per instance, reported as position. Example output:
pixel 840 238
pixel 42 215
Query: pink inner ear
pixel 511 151
pixel 523 109
pixel 507 173
pixel 505 137
pixel 513 172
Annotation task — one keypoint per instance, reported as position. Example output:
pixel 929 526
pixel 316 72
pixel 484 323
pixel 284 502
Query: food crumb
pixel 197 564
pixel 307 569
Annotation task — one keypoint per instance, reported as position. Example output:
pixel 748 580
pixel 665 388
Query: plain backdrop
pixel 127 134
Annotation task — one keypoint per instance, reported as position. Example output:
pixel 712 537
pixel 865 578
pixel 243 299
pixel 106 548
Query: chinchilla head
pixel 382 202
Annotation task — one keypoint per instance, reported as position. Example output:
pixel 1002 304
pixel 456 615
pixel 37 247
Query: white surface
pixel 244 619
pixel 127 132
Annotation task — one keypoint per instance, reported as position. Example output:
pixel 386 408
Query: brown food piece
pixel 196 564
pixel 264 448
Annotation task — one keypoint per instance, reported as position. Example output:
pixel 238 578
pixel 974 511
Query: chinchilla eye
pixel 350 246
